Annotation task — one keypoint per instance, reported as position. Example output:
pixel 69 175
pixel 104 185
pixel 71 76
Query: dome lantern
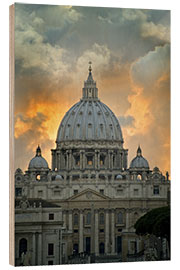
pixel 139 151
pixel 90 91
pixel 38 151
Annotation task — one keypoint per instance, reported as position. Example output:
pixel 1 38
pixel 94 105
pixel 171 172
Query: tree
pixel 156 221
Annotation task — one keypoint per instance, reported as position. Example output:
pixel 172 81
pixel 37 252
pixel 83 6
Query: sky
pixel 130 54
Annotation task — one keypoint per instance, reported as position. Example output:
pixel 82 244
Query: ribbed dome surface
pixel 139 162
pixel 89 120
pixel 38 163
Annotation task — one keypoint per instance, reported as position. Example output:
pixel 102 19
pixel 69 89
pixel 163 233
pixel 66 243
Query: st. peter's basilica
pixel 83 208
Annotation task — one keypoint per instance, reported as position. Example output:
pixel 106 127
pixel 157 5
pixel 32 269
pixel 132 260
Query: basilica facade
pixel 86 204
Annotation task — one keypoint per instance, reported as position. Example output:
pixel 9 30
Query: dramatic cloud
pixel 149 29
pixel 130 52
pixel 147 69
pixel 29 132
pixel 150 106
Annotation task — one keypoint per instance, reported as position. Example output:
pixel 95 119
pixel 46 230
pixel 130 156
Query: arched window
pixel 88 218
pixel 102 160
pixel 75 248
pixel 119 218
pixel 101 219
pixel 22 246
pixel 101 248
pixel 89 160
pixel 139 177
pixel 77 160
pixel 75 219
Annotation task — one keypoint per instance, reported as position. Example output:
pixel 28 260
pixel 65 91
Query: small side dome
pixel 119 177
pixel 18 171
pixel 38 162
pixel 58 177
pixel 156 170
pixel 139 161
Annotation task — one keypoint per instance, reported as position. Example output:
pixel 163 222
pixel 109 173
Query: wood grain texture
pixel 11 136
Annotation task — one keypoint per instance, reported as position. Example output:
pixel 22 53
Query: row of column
pixel 90 92
pixel 109 238
pixel 67 161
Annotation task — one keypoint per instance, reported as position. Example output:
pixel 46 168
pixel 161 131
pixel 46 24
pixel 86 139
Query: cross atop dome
pixel 90 91
pixel 90 69
pixel 90 77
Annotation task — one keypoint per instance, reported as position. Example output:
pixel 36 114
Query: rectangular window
pixel 136 192
pixel 101 230
pixel 50 262
pixel 51 216
pixel 75 191
pixel 101 191
pixel 120 192
pixel 18 191
pixel 40 193
pixel 156 190
pixel 75 231
pixel 76 219
pixel 50 249
pixel 56 192
pixel 75 177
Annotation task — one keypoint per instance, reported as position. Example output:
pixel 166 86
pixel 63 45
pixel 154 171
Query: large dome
pixel 89 119
pixel 38 162
pixel 139 162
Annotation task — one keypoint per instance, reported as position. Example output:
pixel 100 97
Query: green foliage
pixel 156 221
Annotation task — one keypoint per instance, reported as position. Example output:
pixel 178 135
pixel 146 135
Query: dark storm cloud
pixel 76 29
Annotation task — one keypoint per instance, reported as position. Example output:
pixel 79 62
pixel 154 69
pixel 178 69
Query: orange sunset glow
pixel 132 72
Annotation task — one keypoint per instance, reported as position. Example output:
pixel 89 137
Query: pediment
pixel 89 195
